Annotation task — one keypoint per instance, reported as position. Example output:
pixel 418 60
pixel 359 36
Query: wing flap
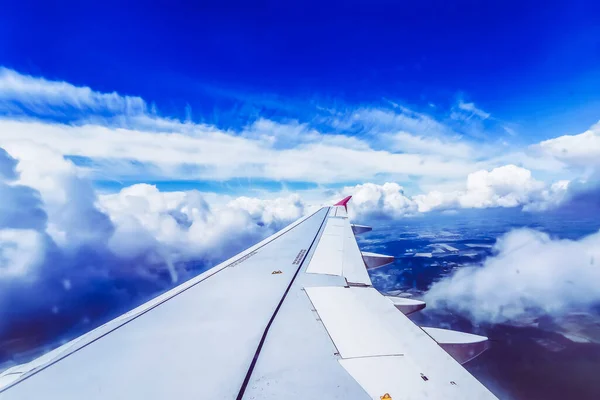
pixel 385 351
pixel 355 321
pixel 398 377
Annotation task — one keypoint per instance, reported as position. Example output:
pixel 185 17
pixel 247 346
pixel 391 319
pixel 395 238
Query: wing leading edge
pixel 294 316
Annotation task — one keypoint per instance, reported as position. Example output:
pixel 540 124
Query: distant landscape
pixel 537 357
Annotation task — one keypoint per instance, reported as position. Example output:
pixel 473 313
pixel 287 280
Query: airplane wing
pixel 293 317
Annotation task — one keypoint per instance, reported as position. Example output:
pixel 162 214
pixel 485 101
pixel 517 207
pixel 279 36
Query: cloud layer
pixel 117 137
pixel 506 186
pixel 531 274
pixel 121 137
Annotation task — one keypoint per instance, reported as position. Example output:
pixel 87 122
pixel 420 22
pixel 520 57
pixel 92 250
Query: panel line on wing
pixel 320 319
pixel 266 331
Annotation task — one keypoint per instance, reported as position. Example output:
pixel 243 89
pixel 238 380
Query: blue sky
pixel 533 63
pixel 308 95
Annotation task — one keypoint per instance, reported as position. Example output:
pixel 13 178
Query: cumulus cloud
pixel 530 274
pixel 7 166
pixel 555 196
pixel 580 150
pixel 68 197
pixel 581 154
pixel 506 186
pixel 21 217
pixel 272 212
pixel 21 206
pixel 21 250
pixel 184 226
pixel 379 201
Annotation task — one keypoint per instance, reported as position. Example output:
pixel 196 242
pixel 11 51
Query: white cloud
pixel 447 147
pixel 531 158
pixel 43 96
pixel 510 131
pixel 370 200
pixel 551 197
pixel 22 221
pixel 271 211
pixel 403 130
pixel 473 110
pixel 394 144
pixel 54 198
pixel 580 150
pixel 401 118
pixel 21 251
pixel 123 140
pixel 7 166
pixel 20 205
pixel 506 186
pixel 530 274
pixel 292 134
pixel 208 153
pixel 437 200
pixel 184 226
pixel 68 197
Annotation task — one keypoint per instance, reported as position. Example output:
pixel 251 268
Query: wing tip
pixel 343 202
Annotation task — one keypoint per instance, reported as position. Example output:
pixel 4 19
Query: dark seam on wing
pixel 264 336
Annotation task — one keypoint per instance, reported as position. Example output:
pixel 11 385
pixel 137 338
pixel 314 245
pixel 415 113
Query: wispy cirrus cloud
pixel 120 139
pixel 116 138
pixel 471 109
pixel 211 154
pixel 25 93
pixel 114 130
pixel 449 147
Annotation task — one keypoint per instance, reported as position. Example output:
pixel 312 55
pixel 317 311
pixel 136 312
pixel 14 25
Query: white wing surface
pixel 293 317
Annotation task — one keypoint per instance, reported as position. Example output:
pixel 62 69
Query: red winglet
pixel 343 202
